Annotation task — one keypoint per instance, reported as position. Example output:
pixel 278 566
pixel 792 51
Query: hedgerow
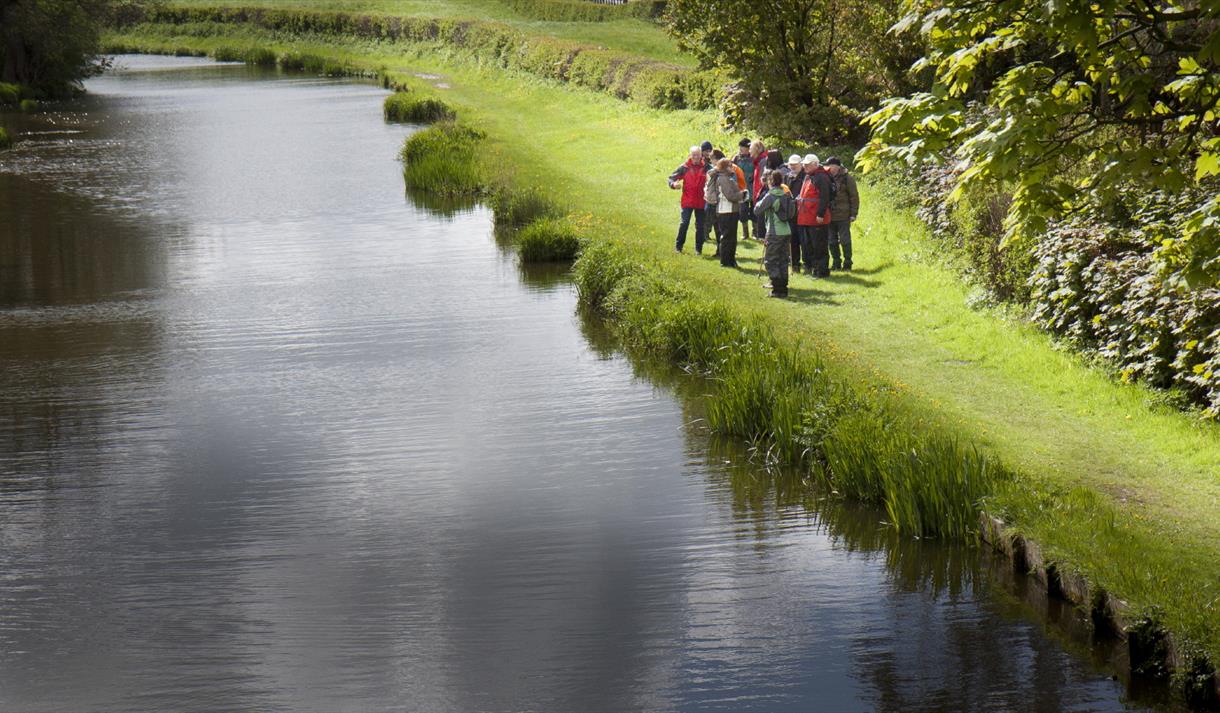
pixel 650 82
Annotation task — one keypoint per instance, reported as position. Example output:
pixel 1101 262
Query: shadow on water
pixel 73 318
pixel 966 653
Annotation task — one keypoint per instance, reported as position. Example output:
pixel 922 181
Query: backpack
pixel 785 208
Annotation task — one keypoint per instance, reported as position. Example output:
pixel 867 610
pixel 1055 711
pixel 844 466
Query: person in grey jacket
pixel 723 192
pixel 843 212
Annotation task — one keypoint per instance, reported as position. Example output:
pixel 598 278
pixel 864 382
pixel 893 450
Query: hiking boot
pixel 847 266
pixel 836 266
pixel 779 295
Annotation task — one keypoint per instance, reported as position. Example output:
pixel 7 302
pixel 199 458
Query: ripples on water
pixel 272 437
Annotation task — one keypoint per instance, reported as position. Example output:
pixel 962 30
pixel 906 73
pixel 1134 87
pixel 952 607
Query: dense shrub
pixel 1099 287
pixel 9 94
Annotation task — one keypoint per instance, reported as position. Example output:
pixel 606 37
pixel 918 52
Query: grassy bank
pixel 1120 489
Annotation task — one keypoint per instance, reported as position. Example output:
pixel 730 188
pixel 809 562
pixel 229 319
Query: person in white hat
pixel 793 178
pixel 813 217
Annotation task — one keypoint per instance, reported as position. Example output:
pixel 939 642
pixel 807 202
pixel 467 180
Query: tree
pixel 805 68
pixel 1073 104
pixel 49 45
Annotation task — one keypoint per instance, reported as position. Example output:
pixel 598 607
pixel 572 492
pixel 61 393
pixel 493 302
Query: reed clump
pixel 788 406
pixel 402 106
pixel 302 62
pixel 515 208
pixel 548 240
pixel 442 159
pixel 261 57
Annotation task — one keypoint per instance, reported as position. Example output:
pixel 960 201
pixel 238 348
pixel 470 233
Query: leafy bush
pixel 29 106
pixel 9 93
pixel 1099 286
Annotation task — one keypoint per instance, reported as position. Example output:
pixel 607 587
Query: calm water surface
pixel 272 437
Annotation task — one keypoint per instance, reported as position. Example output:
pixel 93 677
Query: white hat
pixel 696 149
pixel 811 158
pixel 794 158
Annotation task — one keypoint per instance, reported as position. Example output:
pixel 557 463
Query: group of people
pixel 802 209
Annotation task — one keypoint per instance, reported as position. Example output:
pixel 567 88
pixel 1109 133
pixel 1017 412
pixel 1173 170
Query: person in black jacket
pixel 794 178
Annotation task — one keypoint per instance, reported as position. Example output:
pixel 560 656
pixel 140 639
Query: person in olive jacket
pixel 843 211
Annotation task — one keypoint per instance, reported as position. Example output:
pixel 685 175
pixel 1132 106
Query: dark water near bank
pixel 273 438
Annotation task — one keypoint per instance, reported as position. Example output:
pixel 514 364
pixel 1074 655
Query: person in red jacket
pixel 813 217
pixel 691 177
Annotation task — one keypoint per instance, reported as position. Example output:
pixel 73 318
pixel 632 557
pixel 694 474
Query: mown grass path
pixel 1125 491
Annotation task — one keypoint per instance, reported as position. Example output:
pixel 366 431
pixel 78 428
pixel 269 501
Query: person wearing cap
pixel 795 178
pixel 744 160
pixel 813 217
pixel 843 210
pixel 724 192
pixel 691 177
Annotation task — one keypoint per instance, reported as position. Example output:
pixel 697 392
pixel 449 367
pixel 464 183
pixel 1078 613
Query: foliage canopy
pixel 806 68
pixel 50 44
pixel 1073 105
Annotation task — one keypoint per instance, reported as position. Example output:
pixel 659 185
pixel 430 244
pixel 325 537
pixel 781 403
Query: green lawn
pixel 1126 491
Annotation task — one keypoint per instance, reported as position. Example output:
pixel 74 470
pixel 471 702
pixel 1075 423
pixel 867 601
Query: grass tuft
pixel 548 240
pixel 442 160
pixel 402 106
pixel 515 208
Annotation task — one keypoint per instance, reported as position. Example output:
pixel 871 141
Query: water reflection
pixel 329 450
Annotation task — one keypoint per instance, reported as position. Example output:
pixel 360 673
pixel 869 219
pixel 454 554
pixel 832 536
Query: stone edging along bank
pixel 928 484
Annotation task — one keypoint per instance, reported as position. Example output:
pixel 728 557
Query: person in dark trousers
pixel 776 206
pixel 744 160
pixel 724 192
pixel 771 161
pixel 843 211
pixel 691 177
pixel 794 180
pixel 813 217
pixel 714 224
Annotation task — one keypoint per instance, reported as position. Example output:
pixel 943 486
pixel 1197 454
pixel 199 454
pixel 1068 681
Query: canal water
pixel 275 437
